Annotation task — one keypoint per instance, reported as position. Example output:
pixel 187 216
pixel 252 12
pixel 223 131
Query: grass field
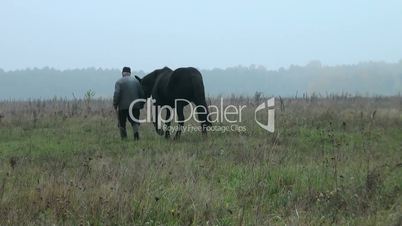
pixel 331 161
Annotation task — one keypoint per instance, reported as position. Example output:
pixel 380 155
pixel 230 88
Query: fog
pixel 205 34
pixel 364 79
pixel 241 47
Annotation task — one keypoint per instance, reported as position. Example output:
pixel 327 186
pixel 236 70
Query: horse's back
pixel 186 83
pixel 185 74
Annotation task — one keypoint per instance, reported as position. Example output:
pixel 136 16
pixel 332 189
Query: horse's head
pixel 148 82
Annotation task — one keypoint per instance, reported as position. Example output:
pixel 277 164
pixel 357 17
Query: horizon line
pixel 311 62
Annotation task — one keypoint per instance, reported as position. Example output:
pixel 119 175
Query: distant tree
pixel 375 78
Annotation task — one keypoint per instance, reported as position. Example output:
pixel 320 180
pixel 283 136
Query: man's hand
pixel 117 116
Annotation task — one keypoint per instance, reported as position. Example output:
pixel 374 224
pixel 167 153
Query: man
pixel 127 90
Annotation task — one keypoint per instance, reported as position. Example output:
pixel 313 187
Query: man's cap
pixel 127 69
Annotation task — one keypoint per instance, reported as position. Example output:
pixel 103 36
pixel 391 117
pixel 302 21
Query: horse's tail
pixel 199 97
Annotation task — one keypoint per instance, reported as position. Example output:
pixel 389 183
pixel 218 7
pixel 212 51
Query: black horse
pixel 167 86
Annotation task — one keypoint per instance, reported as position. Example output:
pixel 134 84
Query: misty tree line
pixel 372 78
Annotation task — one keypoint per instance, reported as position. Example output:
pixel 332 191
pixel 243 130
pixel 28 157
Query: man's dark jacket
pixel 127 89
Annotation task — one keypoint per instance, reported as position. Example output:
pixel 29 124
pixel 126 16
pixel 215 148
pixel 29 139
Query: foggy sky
pixel 205 34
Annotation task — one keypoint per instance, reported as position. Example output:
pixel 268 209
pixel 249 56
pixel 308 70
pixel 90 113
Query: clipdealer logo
pixel 269 105
pixel 223 113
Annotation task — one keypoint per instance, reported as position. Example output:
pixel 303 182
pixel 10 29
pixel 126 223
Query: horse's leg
pixel 180 116
pixel 203 115
pixel 168 121
pixel 158 131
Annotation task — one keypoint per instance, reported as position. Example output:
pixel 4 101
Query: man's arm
pixel 116 96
